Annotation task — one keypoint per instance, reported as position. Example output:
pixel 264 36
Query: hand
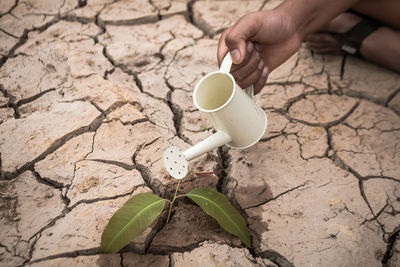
pixel 259 42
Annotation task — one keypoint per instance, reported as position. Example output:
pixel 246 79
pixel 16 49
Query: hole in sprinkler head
pixel 166 157
pixel 179 155
pixel 179 172
pixel 170 169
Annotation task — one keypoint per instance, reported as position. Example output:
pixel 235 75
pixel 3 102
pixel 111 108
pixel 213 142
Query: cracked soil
pixel 92 92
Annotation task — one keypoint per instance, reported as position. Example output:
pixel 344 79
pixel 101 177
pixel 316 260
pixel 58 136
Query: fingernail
pixel 235 54
pixel 264 72
pixel 260 65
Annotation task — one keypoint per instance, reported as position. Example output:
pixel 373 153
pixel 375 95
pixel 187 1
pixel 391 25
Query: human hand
pixel 259 42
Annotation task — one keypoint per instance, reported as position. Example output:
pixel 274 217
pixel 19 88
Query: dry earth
pixel 92 92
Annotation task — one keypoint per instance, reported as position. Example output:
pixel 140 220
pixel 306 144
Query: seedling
pixel 140 211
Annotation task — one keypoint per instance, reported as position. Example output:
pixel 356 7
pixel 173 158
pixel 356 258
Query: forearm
pixel 310 15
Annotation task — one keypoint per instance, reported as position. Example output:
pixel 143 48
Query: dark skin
pixel 261 41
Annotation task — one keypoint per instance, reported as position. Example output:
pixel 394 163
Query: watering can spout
pixel 177 162
pixel 216 140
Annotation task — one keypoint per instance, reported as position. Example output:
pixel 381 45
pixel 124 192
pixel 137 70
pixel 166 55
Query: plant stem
pixel 173 200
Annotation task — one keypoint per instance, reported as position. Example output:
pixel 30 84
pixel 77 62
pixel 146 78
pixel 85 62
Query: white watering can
pixel 239 122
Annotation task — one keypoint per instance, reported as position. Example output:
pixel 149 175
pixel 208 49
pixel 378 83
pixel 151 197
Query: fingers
pixel 258 78
pixel 251 71
pixel 249 63
pixel 259 84
pixel 223 49
pixel 239 34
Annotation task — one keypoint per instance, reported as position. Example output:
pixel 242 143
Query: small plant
pixel 140 211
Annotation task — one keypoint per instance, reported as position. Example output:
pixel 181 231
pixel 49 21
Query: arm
pixel 310 15
pixel 261 41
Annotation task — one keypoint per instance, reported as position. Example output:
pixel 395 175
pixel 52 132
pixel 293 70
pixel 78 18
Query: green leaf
pixel 130 221
pixel 218 206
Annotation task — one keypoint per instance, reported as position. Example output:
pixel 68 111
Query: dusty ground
pixel 92 93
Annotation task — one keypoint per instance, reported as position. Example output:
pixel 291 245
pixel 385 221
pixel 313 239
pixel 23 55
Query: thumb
pixel 243 30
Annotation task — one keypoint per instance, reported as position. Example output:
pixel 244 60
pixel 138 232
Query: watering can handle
pixel 226 67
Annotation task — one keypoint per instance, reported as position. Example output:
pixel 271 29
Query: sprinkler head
pixel 175 162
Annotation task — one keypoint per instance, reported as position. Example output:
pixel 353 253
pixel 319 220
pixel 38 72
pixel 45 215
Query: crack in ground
pixel 177 115
pixel 25 35
pixel 361 96
pixel 54 146
pixel 57 17
pixel 263 5
pixel 121 259
pixel 98 108
pixel 177 112
pixel 175 109
pixel 99 23
pixel 6 248
pixel 227 184
pixel 300 147
pixel 10 103
pixel 381 177
pixel 276 258
pixel 91 252
pixel 391 96
pixel 189 8
pixel 390 244
pixel 115 163
pixel 11 9
pixel 222 171
pixel 92 127
pixel 72 254
pixel 81 3
pixel 46 181
pixel 170 261
pixel 64 195
pixel 131 22
pixel 131 123
pixel 38 234
pixel 375 218
pixel 291 101
pixel 269 138
pixel 364 196
pixel 167 249
pixel 154 184
pixel 9 34
pixel 34 97
pixel 325 125
pixel 35 237
pixel 65 211
pixel 341 164
pixel 94 200
pixel 159 225
pixel 156 8
pixel 278 196
pixel 129 72
pixel 374 126
pixel 352 94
